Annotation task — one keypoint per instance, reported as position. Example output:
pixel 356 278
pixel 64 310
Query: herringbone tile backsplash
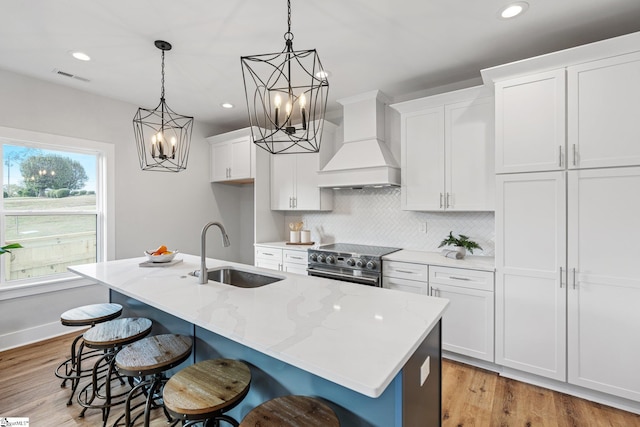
pixel 373 217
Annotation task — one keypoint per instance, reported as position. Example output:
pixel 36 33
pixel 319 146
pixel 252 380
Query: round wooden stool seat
pixel 207 389
pixel 89 315
pixel 149 358
pixel 118 332
pixel 291 411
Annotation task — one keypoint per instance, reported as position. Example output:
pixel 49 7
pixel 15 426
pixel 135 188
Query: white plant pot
pixel 461 250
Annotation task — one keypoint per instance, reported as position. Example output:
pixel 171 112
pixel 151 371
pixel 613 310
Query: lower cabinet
pixel 274 258
pixel 405 276
pixel 467 324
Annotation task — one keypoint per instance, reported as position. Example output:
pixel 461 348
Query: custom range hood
pixel 363 160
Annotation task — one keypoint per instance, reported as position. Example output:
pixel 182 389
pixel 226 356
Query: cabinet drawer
pixel 472 279
pixel 405 285
pixel 294 257
pixel 269 253
pixel 405 270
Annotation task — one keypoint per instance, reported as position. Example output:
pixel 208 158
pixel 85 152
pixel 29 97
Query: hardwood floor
pixel 470 397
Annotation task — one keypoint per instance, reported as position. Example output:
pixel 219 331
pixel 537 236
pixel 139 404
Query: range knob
pixel 313 257
pixel 371 265
pixel 321 258
pixel 361 263
pixel 351 262
pixel 331 259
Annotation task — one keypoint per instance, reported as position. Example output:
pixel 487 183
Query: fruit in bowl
pixel 162 254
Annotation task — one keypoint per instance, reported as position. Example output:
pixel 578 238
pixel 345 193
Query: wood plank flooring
pixel 471 397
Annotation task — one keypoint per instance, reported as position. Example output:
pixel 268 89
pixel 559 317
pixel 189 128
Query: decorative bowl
pixel 165 257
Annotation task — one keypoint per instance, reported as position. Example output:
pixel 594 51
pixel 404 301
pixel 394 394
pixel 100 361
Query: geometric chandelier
pixel 286 97
pixel 162 136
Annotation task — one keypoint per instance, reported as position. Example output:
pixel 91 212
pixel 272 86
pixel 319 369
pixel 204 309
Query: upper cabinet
pixel 598 101
pixel 448 152
pixel 603 110
pixel 232 157
pixel 294 178
pixel 530 123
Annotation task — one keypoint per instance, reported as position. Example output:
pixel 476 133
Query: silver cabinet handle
pixel 560 156
pixel 560 277
pixel 574 154
pixel 290 202
pixel 267 253
pixel 296 257
pixel 459 278
pixel 440 200
pixel 295 202
pixel 433 291
pixel 447 205
pixel 574 277
pixel 405 271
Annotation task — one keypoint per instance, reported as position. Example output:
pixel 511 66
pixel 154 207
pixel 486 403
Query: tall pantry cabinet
pixel 567 210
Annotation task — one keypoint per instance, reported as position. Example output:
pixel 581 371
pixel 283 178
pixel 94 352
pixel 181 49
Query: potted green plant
pixel 7 248
pixel 461 243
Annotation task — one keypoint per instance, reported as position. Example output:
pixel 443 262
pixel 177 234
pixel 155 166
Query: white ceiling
pixel 399 47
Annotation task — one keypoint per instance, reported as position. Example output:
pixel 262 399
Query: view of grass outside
pixel 48 209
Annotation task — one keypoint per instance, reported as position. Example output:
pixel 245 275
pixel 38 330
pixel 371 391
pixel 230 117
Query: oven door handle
pixel 330 275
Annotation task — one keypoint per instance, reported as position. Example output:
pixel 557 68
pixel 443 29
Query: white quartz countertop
pixel 356 336
pixel 436 258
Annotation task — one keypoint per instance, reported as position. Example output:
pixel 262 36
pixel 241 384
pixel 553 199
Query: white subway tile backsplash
pixel 373 217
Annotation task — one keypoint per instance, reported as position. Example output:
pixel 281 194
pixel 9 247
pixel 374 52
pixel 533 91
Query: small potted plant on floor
pixel 461 244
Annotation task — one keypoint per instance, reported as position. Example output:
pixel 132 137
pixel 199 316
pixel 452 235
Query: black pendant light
pixel 286 97
pixel 163 137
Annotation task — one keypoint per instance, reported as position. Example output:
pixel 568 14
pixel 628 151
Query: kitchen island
pixel 373 354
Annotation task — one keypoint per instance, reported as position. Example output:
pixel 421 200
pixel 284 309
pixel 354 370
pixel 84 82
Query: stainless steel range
pixel 349 262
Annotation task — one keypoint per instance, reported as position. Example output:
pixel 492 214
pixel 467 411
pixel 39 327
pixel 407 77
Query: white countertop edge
pixel 472 262
pixel 372 389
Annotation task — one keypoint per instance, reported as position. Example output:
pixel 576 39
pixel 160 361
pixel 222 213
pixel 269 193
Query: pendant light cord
pixel 162 79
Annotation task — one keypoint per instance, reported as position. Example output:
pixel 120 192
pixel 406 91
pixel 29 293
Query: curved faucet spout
pixel 203 248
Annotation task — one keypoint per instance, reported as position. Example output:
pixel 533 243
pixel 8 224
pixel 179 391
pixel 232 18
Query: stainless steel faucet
pixel 203 248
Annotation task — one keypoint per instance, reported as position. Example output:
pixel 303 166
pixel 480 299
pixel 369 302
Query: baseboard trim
pixel 34 334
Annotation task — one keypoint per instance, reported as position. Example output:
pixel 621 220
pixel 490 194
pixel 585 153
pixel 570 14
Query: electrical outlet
pixel 422 228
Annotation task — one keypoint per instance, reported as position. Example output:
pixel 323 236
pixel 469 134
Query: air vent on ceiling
pixel 72 76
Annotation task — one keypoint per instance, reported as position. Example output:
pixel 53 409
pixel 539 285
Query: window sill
pixel 37 288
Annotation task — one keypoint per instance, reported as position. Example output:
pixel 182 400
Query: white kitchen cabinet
pixel 294 183
pixel 405 276
pixel 232 157
pixel 603 108
pixel 530 123
pixel 468 322
pixel 531 288
pixel 448 152
pixel 604 284
pixel 292 260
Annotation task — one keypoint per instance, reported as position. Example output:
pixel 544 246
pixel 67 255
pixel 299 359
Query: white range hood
pixel 364 160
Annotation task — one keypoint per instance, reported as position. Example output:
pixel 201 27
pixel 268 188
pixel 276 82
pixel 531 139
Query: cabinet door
pixel 405 285
pixel 282 181
pixel 268 263
pixel 470 155
pixel 423 160
pixel 307 192
pixel 467 324
pixel 603 111
pixel 530 123
pixel 604 284
pixel 220 154
pixel 531 273
pixel 240 154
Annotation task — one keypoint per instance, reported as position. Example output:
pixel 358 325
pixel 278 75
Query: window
pixel 53 204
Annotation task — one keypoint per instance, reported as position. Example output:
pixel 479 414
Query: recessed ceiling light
pixel 513 9
pixel 227 105
pixel 81 56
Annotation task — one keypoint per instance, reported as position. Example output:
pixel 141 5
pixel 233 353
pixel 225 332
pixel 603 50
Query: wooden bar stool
pixel 87 315
pixel 291 411
pixel 204 391
pixel 109 337
pixel 149 358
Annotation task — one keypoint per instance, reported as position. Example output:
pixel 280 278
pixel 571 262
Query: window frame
pixel 105 218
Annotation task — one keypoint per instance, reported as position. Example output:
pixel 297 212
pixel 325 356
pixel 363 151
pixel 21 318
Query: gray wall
pixel 151 208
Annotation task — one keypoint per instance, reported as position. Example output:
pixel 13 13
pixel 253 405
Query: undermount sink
pixel 240 278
